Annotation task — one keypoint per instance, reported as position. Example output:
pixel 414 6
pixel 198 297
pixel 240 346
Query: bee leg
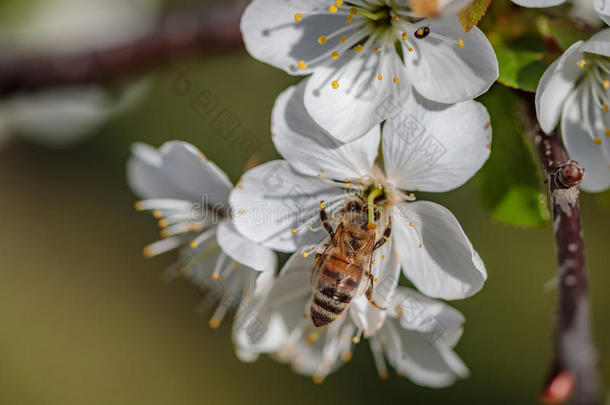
pixel 326 223
pixel 385 237
pixel 369 293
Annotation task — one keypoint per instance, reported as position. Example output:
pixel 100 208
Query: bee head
pixel 354 206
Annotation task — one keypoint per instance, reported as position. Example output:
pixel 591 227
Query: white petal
pixel 419 357
pixel 272 199
pixel 598 44
pixel 417 312
pixel 182 170
pixel 243 250
pixel 436 147
pixel 577 115
pixel 271 34
pixel 446 265
pixel 555 86
pixel 445 72
pixel 267 321
pixel 311 150
pixel 602 7
pixel 361 101
pixel 538 3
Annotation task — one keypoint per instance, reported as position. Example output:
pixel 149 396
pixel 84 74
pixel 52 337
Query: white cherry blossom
pixel 426 147
pixel 188 194
pixel 573 92
pixel 416 339
pixel 362 54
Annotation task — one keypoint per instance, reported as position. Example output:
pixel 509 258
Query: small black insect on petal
pixel 422 32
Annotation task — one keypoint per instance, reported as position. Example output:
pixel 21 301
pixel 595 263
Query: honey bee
pixel 343 271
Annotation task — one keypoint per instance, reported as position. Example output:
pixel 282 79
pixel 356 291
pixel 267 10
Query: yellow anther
pixel 138 206
pixel 193 244
pixel 358 48
pixel 343 39
pixel 335 55
pixel 395 18
pixel 371 226
pixel 215 276
pixel 311 228
pixel 321 205
pixel 404 36
pixel 605 107
pixel 411 224
pixel 421 246
pixel 318 378
pixel 383 375
pixel 293 231
pixel 382 257
pixel 332 217
pixel 346 356
pixel 163 223
pixel 411 49
pixel 461 43
pixel 582 63
pixel 157 213
pixel 353 10
pixel 148 252
pixel 349 18
pixel 606 84
pixel 373 262
pixel 377 49
pixel 356 339
pixel 214 323
pixel 322 40
pixel 333 9
pixel 396 80
pixel 335 84
pixel 320 175
pixel 305 255
pixel 376 279
pixel 298 17
pixel 302 64
pixel 380 77
pixel 597 141
pixel 339 3
pixel 607 132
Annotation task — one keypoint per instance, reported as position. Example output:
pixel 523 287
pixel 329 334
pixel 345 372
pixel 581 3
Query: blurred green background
pixel 86 319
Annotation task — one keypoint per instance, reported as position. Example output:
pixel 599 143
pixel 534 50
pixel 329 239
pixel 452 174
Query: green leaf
pixel 472 14
pixel 511 185
pixel 520 69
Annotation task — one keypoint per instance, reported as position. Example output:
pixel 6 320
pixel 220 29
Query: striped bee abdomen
pixel 335 289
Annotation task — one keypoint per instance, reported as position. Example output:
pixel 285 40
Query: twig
pixel 181 35
pixel 574 367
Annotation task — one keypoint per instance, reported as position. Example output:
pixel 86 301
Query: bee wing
pixel 367 254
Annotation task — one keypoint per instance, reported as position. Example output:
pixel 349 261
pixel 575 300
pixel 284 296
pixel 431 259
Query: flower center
pixel 596 79
pixel 378 29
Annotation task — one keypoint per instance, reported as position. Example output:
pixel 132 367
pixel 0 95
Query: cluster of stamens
pixel 178 230
pixel 376 29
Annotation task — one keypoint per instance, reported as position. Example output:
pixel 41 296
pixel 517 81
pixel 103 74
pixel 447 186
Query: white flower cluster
pixel 387 110
pixel 573 93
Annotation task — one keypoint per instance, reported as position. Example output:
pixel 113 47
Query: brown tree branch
pixel 574 367
pixel 181 35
